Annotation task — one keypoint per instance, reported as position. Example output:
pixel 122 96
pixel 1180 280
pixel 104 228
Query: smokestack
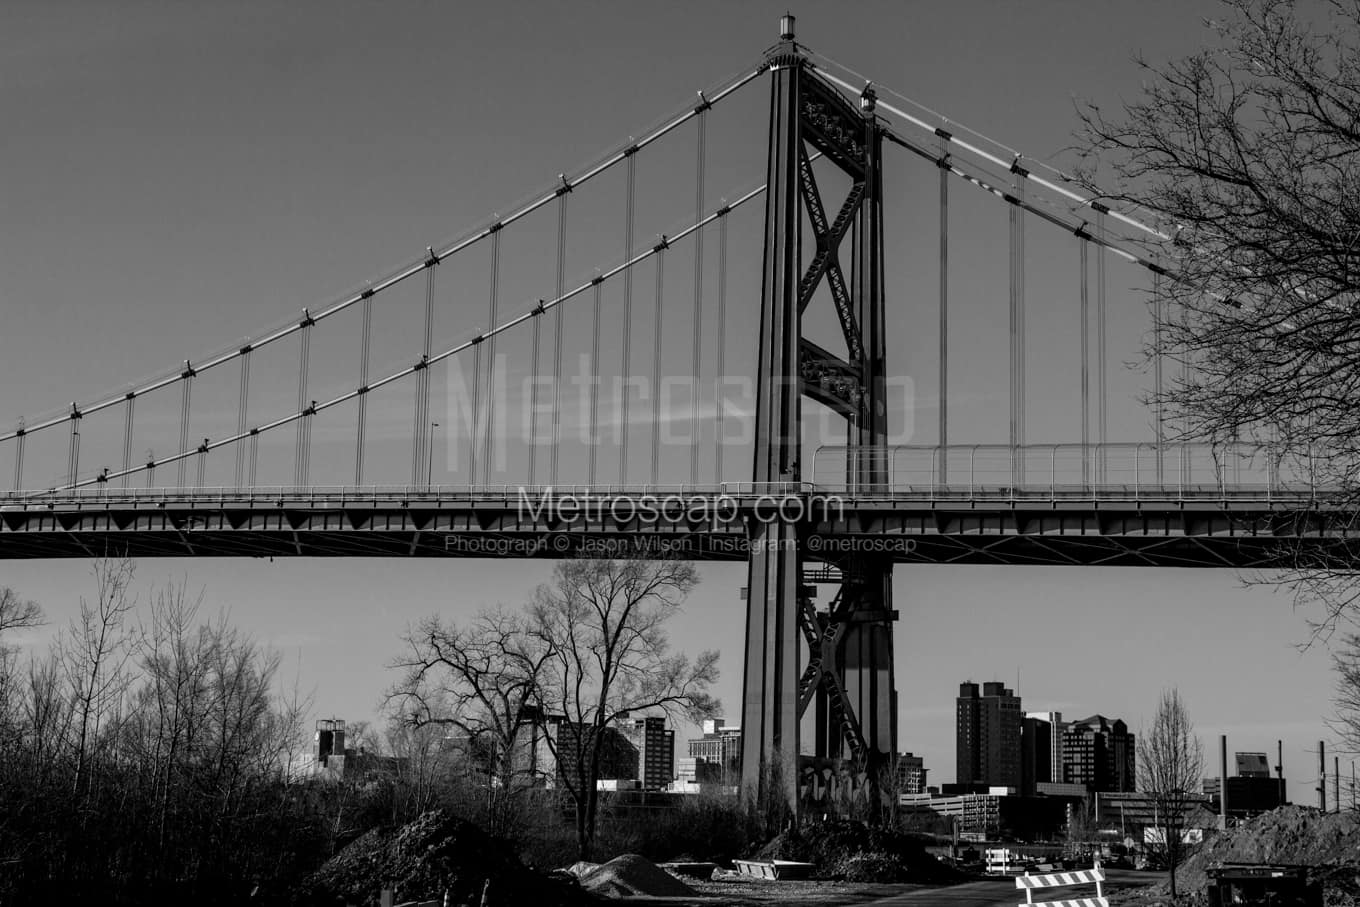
pixel 1223 782
pixel 1322 776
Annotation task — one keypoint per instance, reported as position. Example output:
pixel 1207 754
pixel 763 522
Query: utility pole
pixel 1279 768
pixel 1222 782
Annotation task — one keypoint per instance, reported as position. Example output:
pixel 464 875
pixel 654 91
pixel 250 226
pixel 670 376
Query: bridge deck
pixel 1195 526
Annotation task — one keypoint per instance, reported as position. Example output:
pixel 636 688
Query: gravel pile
pixel 1294 835
pixel 630 875
pixel 424 858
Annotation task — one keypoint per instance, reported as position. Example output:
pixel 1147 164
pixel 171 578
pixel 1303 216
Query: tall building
pixel 1055 756
pixel 1098 753
pixel 719 745
pixel 618 757
pixel 655 747
pixel 911 774
pixel 988 736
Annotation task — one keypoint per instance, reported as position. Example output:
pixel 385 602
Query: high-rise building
pixel 988 736
pixel 1055 756
pixel 1099 753
pixel 655 750
pixel 720 745
pixel 911 774
pixel 618 757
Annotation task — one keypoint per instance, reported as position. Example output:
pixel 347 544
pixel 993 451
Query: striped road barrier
pixel 1060 880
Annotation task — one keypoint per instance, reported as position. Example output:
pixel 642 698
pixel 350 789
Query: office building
pixel 720 745
pixel 1098 753
pixel 988 736
pixel 655 747
pixel 911 774
pixel 1056 726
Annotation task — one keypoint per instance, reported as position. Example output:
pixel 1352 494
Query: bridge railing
pixel 1050 471
pixel 343 494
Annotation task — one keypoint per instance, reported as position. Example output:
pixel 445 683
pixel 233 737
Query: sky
pixel 183 176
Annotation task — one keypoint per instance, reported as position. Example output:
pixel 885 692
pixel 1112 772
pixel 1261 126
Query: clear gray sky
pixel 180 176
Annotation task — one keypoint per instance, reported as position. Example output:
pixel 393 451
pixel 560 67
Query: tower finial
pixel 786 22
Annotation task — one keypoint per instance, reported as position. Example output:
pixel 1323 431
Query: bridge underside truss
pixel 1243 534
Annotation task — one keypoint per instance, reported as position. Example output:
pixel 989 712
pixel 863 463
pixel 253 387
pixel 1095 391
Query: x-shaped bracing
pixel 826 262
pixel 823 634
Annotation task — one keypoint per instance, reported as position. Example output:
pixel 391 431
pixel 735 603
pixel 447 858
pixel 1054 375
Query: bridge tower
pixel 847 674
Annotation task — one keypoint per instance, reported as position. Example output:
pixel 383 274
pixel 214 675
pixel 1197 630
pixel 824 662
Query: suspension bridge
pixel 796 461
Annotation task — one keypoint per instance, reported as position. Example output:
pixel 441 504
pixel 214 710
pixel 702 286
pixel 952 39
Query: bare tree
pixel 603 624
pixel 1247 155
pixel 1346 699
pixel 469 698
pixel 1170 769
pixel 17 613
pixel 478 680
pixel 94 652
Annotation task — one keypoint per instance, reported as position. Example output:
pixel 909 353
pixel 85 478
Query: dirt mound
pixel 852 851
pixel 423 859
pixel 1294 835
pixel 630 875
pixel 580 868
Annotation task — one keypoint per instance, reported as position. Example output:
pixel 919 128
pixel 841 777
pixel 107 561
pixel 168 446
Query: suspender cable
pixel 127 436
pixel 719 404
pixel 1085 366
pixel 698 301
pixel 365 342
pixel 203 461
pixel 1016 331
pixel 592 433
pixel 1102 394
pixel 1157 316
pixel 943 412
pixel 557 336
pixel 19 435
pixel 419 471
pixel 1021 372
pixel 406 372
pixel 302 454
pixel 1011 324
pixel 73 455
pixel 628 316
pixel 490 439
pixel 254 455
pixel 186 392
pixel 660 249
pixel 533 399
pixel 241 409
pixel 1185 414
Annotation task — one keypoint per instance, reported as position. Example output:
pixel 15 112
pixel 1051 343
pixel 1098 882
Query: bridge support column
pixel 769 760
pixel 844 663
